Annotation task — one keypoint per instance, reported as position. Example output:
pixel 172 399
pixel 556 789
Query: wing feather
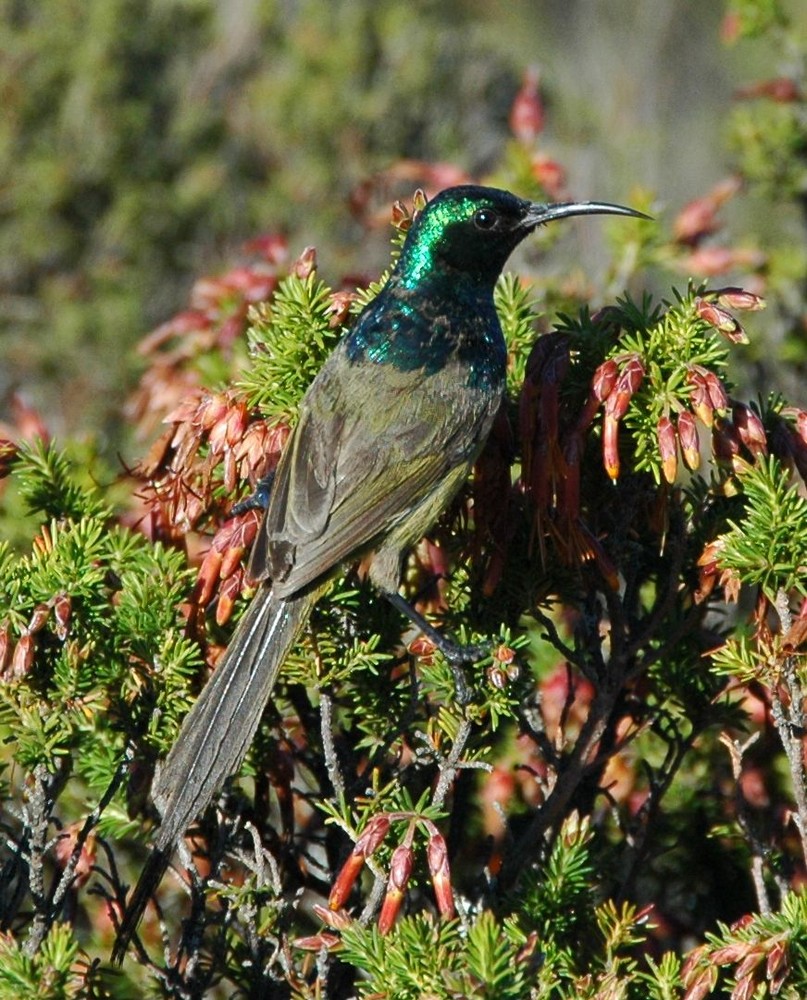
pixel 341 485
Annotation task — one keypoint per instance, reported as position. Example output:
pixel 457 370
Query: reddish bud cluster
pixel 216 318
pixel 180 477
pixel 756 962
pixel 221 566
pixel 401 866
pixel 707 394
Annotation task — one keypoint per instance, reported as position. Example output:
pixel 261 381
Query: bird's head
pixel 472 230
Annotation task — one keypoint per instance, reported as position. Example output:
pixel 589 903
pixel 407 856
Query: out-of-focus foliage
pixel 139 140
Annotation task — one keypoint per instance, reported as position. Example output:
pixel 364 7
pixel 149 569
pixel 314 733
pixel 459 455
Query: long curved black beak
pixel 538 214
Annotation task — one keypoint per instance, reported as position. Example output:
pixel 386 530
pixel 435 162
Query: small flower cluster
pixel 758 963
pixel 400 872
pixel 215 320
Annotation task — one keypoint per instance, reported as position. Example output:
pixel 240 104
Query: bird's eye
pixel 485 218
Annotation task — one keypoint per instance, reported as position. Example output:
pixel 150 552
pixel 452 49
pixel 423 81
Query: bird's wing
pixel 354 467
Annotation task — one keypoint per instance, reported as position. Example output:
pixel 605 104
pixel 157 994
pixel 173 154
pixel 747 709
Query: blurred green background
pixel 142 142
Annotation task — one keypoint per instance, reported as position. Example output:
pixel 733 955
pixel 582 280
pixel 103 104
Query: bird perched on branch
pixel 387 434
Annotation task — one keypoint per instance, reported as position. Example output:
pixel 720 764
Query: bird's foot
pixel 457 654
pixel 258 500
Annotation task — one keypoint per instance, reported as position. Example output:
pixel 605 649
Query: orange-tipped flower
pixel 399 875
pixel 688 436
pixel 668 448
pixel 610 445
pixel 437 857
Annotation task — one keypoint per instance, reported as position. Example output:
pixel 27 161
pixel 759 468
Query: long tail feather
pixel 217 732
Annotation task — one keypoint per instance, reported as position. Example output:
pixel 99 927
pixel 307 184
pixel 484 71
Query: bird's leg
pixel 259 499
pixel 455 653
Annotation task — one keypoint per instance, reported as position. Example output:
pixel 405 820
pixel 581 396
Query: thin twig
pixel 450 766
pixel 759 852
pixel 329 747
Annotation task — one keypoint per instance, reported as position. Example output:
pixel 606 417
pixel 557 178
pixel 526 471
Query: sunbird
pixel 387 434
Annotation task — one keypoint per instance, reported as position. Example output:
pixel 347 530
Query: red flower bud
pixel 5 646
pixel 305 264
pixel 688 436
pixel 23 658
pixel 549 174
pixel 527 113
pixel 699 397
pixel 316 942
pixel 66 843
pixel 604 380
pixel 62 610
pixel 372 836
pixel 781 89
pixel 399 875
pixel 628 381
pixel 699 217
pixel 717 391
pixel 738 298
pixel 39 618
pixel 369 841
pixel 725 442
pixel 437 857
pixel 345 881
pixel 721 320
pixel 750 428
